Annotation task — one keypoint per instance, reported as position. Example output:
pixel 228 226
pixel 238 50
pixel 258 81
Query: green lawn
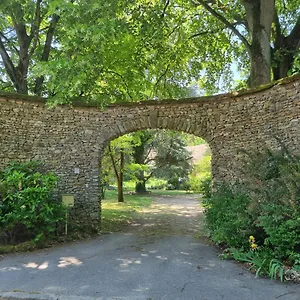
pixel 116 216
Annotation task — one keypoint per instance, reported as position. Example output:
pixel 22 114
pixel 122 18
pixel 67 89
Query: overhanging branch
pixel 224 21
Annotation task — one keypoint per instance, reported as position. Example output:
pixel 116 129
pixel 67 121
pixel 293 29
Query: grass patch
pixel 116 216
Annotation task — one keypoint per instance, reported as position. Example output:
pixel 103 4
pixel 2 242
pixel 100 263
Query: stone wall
pixel 70 140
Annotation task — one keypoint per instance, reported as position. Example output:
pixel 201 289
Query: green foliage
pixel 200 177
pixel 260 260
pixel 227 217
pixel 109 51
pixel 205 187
pixel 192 140
pixel 276 269
pixel 266 205
pixel 149 153
pixel 274 186
pixel 171 159
pixel 26 207
pixel 156 183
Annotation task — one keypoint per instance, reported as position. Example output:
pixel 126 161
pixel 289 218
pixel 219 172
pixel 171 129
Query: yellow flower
pixel 251 239
pixel 254 246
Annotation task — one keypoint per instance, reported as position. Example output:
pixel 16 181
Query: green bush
pixel 265 205
pixel 205 187
pixel 227 217
pixel 274 185
pixel 27 210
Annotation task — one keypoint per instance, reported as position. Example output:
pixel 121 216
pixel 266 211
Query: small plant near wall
pixel 27 210
pixel 259 219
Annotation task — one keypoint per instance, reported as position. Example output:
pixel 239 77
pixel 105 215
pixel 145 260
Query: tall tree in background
pixel 140 156
pixel 164 155
pixel 116 158
pixel 145 154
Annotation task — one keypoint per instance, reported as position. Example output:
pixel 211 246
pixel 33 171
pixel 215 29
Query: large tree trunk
pixel 120 177
pixel 260 60
pixel 119 174
pixel 120 190
pixel 140 186
pixel 283 66
pixel 285 49
pixel 259 15
pixel 138 156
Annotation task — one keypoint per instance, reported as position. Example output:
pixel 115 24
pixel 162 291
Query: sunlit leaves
pixel 121 50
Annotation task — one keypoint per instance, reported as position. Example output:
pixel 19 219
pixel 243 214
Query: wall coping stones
pixel 216 98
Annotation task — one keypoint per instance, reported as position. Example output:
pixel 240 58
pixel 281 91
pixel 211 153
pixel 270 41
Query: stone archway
pixel 70 140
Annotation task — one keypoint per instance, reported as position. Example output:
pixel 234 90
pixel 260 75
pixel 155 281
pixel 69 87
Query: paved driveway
pixel 132 265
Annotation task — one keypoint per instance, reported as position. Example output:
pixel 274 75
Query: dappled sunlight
pixel 161 257
pixel 151 224
pixel 5 269
pixel 62 263
pixel 177 214
pixel 69 261
pixel 127 262
pixel 33 265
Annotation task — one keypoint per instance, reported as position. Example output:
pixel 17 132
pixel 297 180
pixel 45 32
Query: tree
pixel 141 152
pixel 26 36
pixel 119 50
pixel 118 151
pixel 252 25
pixel 161 154
pixel 171 159
pixel 208 36
pixel 141 155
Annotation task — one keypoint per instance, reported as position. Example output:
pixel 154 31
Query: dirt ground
pixel 169 215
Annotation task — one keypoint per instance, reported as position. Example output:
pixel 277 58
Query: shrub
pixel 26 207
pixel 274 185
pixel 266 205
pixel 205 187
pixel 227 217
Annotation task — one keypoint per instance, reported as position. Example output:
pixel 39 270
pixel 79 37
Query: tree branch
pixel 8 64
pixel 277 25
pixel 224 21
pixel 46 51
pixel 9 42
pixel 113 162
pixel 146 157
pixel 35 27
pixel 149 176
pixel 19 25
pixel 162 75
pixel 206 32
pixel 165 8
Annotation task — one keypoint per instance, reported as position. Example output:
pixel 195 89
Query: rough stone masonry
pixel 71 140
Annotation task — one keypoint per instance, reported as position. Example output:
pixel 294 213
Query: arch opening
pixel 151 169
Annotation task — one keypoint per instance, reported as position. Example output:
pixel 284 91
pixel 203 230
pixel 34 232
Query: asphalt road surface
pixel 133 265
